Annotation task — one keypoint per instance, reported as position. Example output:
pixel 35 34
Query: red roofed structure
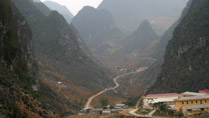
pixel 167 98
pixel 206 91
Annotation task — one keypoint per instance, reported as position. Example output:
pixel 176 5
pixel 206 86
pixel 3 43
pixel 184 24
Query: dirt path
pixel 88 103
pixel 140 99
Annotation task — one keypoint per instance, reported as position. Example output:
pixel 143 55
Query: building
pixel 151 99
pixel 98 110
pixel 106 112
pixel 120 106
pixel 188 94
pixel 206 91
pixel 116 110
pixel 182 102
pixel 196 110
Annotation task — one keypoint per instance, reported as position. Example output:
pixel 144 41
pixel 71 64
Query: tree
pixel 104 102
pixel 162 107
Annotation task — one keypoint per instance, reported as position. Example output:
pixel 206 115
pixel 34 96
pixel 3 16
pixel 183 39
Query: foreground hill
pixel 22 93
pixel 186 57
pixel 59 50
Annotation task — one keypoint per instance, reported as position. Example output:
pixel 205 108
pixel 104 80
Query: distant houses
pixel 190 103
pixel 108 109
pixel 120 106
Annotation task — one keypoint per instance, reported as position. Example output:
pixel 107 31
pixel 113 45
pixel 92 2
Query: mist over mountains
pixel 161 13
pixel 54 64
pixel 63 10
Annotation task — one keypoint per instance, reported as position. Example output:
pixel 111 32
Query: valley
pixel 111 59
pixel 88 103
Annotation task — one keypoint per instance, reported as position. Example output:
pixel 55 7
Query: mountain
pixel 22 93
pixel 136 48
pixel 186 56
pixel 141 39
pixel 63 10
pixel 161 13
pixel 147 78
pixel 97 28
pixel 59 51
pixel 42 8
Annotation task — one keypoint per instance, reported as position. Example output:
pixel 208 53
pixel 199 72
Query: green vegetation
pixel 131 102
pixel 104 102
pixel 163 109
pixel 80 103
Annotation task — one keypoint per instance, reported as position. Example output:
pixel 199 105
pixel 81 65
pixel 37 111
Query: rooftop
pixel 161 95
pixel 197 106
pixel 193 98
pixel 170 99
pixel 206 91
pixel 192 93
pixel 119 105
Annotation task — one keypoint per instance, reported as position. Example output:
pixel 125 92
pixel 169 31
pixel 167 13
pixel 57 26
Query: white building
pixel 120 106
pixel 151 99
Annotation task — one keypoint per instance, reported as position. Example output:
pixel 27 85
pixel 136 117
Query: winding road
pixel 133 112
pixel 112 88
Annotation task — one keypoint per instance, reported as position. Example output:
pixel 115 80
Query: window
pixel 196 101
pixel 200 101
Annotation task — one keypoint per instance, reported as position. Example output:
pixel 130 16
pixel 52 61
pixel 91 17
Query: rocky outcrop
pixel 18 71
pixel 186 57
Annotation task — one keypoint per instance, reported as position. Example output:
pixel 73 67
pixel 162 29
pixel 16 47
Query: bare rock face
pixel 18 72
pixel 186 57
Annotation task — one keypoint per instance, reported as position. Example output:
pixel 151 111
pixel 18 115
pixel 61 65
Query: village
pixel 186 104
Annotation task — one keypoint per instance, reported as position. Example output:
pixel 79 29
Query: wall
pixel 179 105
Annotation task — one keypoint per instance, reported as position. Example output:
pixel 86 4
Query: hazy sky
pixel 76 5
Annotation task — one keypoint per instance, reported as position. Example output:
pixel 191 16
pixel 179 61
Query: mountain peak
pixel 145 24
pixel 62 9
pixel 145 28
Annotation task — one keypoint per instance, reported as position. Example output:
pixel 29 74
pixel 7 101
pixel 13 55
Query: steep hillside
pixel 148 77
pixel 186 57
pixel 61 9
pixel 19 85
pixel 97 28
pixel 158 50
pixel 128 13
pixel 58 48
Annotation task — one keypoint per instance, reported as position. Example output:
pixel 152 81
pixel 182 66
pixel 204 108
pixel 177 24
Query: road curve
pixel 133 112
pixel 112 88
